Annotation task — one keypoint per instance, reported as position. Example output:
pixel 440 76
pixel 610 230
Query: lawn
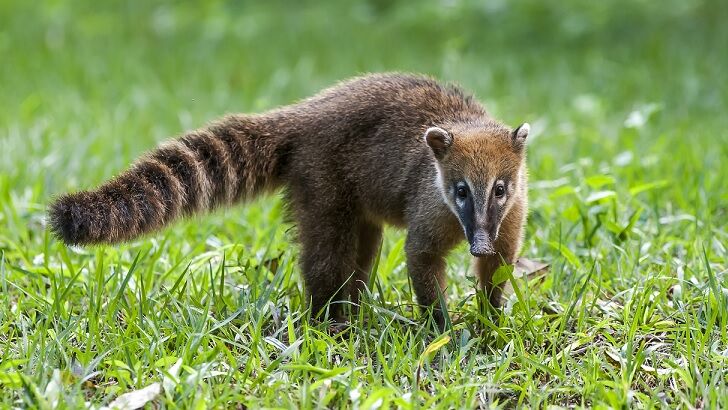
pixel 629 206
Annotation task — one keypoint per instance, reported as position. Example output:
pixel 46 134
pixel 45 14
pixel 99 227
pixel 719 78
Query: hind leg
pixel 369 238
pixel 328 260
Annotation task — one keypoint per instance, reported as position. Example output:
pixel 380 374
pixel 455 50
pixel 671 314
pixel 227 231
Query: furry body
pixel 350 159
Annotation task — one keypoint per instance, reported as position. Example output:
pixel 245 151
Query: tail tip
pixel 66 220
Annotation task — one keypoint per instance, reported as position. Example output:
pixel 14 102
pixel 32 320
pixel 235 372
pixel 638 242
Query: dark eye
pixel 462 192
pixel 500 190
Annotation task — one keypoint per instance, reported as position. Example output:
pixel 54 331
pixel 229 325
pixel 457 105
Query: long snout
pixel 481 244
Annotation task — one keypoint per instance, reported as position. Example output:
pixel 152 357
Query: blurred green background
pixel 627 102
pixel 115 77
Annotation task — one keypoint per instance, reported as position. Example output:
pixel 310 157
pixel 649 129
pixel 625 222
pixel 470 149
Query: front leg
pixel 506 248
pixel 485 267
pixel 428 279
pixel 426 267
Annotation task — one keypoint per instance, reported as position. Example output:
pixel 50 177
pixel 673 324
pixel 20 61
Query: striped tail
pixel 229 161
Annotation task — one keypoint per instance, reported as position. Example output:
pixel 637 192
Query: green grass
pixel 629 204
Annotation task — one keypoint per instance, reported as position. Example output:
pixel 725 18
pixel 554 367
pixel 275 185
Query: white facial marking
pixel 440 184
pixel 470 184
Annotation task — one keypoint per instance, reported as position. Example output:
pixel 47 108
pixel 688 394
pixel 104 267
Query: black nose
pixel 480 244
pixel 481 249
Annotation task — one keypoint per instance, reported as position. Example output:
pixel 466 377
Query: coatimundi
pixel 383 148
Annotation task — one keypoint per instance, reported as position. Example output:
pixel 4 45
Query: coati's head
pixel 481 174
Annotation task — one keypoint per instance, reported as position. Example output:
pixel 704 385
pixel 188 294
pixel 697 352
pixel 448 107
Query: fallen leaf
pixel 530 268
pixel 135 399
pixel 435 346
pixel 657 371
pixel 525 269
pixel 54 389
pixel 430 349
pixel 171 378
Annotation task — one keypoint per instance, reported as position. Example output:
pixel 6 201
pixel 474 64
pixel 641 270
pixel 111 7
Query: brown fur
pixel 351 158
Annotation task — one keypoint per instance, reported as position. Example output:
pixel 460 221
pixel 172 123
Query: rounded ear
pixel 439 141
pixel 520 134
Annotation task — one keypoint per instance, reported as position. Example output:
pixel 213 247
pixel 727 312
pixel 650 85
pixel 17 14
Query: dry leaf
pixel 135 399
pixel 526 269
